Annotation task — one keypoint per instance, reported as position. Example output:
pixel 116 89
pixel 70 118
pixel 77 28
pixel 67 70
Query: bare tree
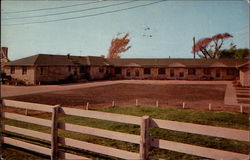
pixel 118 45
pixel 210 47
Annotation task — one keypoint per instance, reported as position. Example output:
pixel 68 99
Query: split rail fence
pixel 144 139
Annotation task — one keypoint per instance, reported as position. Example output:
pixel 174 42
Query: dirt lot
pixel 195 96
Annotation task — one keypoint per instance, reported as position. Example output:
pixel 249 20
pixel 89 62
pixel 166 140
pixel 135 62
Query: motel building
pixel 45 68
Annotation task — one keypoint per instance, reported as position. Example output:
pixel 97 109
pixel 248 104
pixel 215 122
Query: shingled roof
pixel 178 62
pixel 42 59
pixel 97 61
pixel 60 60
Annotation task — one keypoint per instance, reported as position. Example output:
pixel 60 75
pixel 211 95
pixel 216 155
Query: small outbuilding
pixel 244 74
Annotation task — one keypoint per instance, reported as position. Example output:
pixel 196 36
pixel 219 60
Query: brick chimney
pixel 4 54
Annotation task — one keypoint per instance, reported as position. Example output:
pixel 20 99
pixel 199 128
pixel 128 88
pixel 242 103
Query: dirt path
pixel 230 95
pixel 8 91
pixel 126 94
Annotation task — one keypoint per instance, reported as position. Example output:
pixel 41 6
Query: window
pixel 147 71
pixel 171 72
pixel 101 69
pixel 118 70
pixel 161 71
pixel 181 74
pixel 191 71
pixel 12 70
pixel 24 70
pixel 217 73
pixel 230 71
pixel 69 68
pixel 128 73
pixel 82 69
pixel 137 73
pixel 75 70
pixel 207 71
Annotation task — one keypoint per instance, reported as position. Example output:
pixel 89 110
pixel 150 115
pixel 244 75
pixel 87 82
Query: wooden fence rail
pixel 144 139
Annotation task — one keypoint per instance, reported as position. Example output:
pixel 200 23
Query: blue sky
pixel 172 26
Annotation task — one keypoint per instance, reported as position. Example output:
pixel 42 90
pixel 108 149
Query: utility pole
pixel 194 46
pixel 80 52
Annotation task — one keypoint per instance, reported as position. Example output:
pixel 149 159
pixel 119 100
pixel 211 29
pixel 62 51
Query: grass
pixel 222 119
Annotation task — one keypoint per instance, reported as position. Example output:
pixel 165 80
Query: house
pixel 52 68
pixel 186 69
pixel 244 74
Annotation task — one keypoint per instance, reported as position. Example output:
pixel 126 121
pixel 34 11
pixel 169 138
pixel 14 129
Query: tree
pixel 210 47
pixel 233 52
pixel 118 45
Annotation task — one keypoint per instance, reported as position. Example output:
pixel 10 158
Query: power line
pixel 42 9
pixel 85 16
pixel 68 12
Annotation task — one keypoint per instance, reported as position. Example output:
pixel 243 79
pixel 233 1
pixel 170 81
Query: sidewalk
pixel 8 91
pixel 230 95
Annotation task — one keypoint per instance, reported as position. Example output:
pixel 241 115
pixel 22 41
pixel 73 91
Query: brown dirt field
pixel 195 96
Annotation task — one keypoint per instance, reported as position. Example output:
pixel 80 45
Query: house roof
pixel 179 62
pixel 42 59
pixel 246 64
pixel 98 61
pixel 46 59
pixel 58 60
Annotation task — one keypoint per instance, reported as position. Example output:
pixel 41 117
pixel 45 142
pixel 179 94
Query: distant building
pixel 244 74
pixel 51 68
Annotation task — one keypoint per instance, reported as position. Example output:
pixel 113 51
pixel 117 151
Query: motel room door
pixel 134 74
pixel 128 73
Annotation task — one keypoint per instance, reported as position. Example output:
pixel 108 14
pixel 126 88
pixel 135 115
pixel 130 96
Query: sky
pixel 157 29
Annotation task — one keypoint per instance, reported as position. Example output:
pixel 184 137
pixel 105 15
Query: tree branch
pixel 205 52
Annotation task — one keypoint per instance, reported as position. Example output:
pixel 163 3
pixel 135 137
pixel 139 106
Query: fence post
pixel 87 106
pixel 26 111
pixel 145 139
pixel 183 105
pixel 54 133
pixel 113 103
pixel 136 102
pixel 241 108
pixel 157 103
pixel 210 107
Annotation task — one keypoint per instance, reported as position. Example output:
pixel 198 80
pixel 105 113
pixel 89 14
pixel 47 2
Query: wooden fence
pixel 144 139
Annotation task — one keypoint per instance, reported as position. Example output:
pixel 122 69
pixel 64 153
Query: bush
pixel 5 78
pixel 17 82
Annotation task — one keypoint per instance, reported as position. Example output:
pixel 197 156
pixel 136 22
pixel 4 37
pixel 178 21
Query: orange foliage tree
pixel 118 45
pixel 210 47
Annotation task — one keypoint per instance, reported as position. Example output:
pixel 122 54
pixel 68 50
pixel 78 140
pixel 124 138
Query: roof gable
pixel 218 64
pixel 176 64
pixel 133 65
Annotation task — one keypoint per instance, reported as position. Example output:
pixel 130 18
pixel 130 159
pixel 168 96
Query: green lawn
pixel 223 119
